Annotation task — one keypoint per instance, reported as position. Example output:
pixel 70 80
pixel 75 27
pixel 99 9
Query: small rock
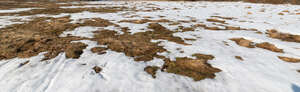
pixel 97 69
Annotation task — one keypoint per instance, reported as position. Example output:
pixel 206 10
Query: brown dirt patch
pixel 283 36
pixel 197 69
pixel 289 59
pixel 151 70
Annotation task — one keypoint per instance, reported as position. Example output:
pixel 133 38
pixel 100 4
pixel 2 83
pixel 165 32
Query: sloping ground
pixel 149 47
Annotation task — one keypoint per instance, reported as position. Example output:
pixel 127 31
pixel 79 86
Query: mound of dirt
pixel 197 69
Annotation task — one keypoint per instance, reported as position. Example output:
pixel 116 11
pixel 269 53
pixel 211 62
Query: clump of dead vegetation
pixel 283 36
pixel 274 1
pixel 289 59
pixel 74 50
pixel 33 37
pixel 269 46
pixel 142 21
pixel 99 50
pixel 249 44
pixel 56 11
pixel 216 20
pixel 151 70
pixel 244 42
pixel 197 69
pixel 138 45
pixel 239 58
pixel 42 35
pixel 218 27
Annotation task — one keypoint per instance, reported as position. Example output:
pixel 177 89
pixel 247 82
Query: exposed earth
pixel 153 46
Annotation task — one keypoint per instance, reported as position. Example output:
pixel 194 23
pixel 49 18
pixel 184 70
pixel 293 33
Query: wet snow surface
pixel 261 70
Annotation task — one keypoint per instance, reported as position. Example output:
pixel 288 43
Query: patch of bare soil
pixel 298 71
pixel 151 70
pixel 264 45
pixel 239 58
pixel 197 69
pixel 289 59
pixel 283 36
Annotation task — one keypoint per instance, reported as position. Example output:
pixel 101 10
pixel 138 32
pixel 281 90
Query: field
pixel 149 46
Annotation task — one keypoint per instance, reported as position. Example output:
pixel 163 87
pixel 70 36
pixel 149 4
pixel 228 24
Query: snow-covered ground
pixel 261 70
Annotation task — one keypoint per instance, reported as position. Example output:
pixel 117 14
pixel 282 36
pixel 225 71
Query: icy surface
pixel 261 70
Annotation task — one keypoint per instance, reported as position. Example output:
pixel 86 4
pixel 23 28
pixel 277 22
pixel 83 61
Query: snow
pixel 16 10
pixel 261 70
